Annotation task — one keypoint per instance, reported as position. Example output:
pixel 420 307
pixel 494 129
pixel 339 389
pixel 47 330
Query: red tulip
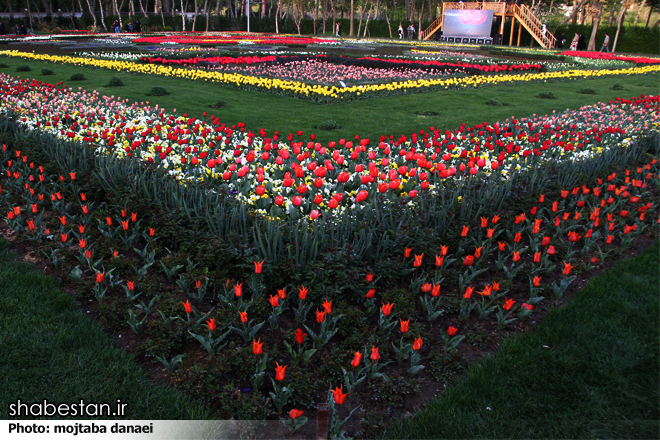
pixel 279 372
pixel 371 293
pixel 468 260
pixel 295 413
pixel 418 260
pixel 374 354
pixel 257 266
pixel 567 268
pixel 356 359
pixel 302 292
pixel 386 309
pixel 404 325
pixel 320 316
pixel 187 306
pixel 417 343
pixel 257 348
pixel 238 289
pixel 406 254
pixel 211 324
pixel 274 300
pixel 451 331
pixel 300 336
pixel 338 395
pixel 243 316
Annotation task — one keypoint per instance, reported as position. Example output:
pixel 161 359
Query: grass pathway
pixel 589 370
pixel 50 350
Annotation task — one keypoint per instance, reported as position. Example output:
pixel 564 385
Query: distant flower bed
pixel 611 56
pixel 233 39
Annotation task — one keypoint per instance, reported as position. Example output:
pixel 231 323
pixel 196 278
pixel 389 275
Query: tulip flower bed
pixel 611 56
pixel 325 93
pixel 366 297
pixel 234 38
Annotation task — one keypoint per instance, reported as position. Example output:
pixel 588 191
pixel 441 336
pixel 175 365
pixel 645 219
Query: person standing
pixel 3 31
pixel 606 42
pixel 411 31
pixel 574 43
pixel 400 32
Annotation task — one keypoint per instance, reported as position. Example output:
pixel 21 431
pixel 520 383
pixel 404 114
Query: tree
pixel 619 20
pixel 596 10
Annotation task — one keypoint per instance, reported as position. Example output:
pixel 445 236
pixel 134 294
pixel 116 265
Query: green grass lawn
pixel 50 350
pixel 369 118
pixel 589 370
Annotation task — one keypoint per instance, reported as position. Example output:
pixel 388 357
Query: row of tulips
pixel 327 93
pixel 293 175
pixel 591 220
pixel 234 38
pixel 611 56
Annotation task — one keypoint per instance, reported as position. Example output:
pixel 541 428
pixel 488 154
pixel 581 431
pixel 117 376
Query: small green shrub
pixel 219 104
pixel 23 69
pixel 328 125
pixel 115 82
pixel 158 91
pixel 426 113
pixel 77 77
pixel 617 87
pixel 3 66
pixel 46 72
pixel 587 91
pixel 546 95
pixel 494 102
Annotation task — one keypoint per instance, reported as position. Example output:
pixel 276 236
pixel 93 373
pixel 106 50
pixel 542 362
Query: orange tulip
pixel 567 268
pixel 274 300
pixel 516 256
pixel 279 371
pixel 356 359
pixel 327 305
pixel 417 343
pixel 302 292
pixel 369 277
pixel 187 306
pixel 508 304
pixel 257 348
pixel 477 252
pixel 536 281
pixel 468 260
pixel 371 293
pixel 374 354
pixel 418 260
pixel 386 309
pixel 281 293
pixel 404 325
pixel 339 395
pixel 320 316
pixel 99 277
pixel 439 259
pixel 468 292
pixel 243 316
pixel 465 231
pixel 443 250
pixel 238 289
pixel 451 331
pixel 436 290
pixel 257 266
pixel 406 254
pixel 211 324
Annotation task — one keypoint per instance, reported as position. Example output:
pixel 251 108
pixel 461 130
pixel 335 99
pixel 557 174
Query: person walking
pixel 400 32
pixel 411 31
pixel 338 33
pixel 606 42
pixel 574 43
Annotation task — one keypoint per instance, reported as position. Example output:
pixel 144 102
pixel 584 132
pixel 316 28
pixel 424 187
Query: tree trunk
pixel 206 14
pixel 102 16
pixel 91 11
pixel 419 26
pixel 131 9
pixel 619 20
pixel 610 21
pixel 572 16
pixel 48 8
pixel 325 13
pixel 639 12
pixel 362 17
pixel 277 14
pixel 195 17
pixel 183 18
pixel 389 25
pixel 142 9
pixel 648 18
pixel 369 16
pixel 352 27
pixel 597 10
pixel 334 15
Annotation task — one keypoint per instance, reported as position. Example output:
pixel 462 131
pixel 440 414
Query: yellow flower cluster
pixel 321 91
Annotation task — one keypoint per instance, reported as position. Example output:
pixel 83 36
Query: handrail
pixel 426 33
pixel 534 26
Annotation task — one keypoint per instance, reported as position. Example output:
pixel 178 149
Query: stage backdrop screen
pixel 468 22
